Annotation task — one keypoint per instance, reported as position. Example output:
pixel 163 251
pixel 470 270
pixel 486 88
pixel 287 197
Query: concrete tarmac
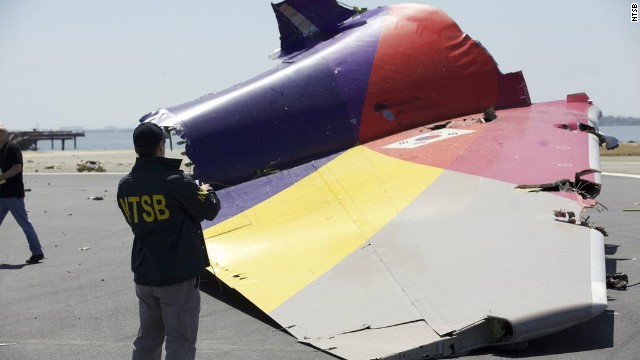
pixel 80 302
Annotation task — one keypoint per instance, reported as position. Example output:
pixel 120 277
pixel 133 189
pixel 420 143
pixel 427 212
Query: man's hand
pixel 13 171
pixel 205 187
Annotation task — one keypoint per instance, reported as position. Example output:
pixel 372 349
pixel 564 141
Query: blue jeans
pixel 19 212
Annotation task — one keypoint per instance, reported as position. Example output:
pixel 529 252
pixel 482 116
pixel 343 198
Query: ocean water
pixel 123 139
pixel 623 133
pixel 100 140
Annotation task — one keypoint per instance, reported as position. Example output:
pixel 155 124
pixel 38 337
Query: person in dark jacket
pixel 12 193
pixel 164 208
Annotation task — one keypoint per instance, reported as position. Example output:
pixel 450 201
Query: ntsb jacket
pixel 164 208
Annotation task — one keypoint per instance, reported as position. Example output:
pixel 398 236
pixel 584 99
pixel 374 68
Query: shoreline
pixel 121 161
pixel 68 161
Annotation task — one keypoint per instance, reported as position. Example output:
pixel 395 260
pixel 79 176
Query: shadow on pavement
pixel 12 266
pixel 213 287
pixel 594 334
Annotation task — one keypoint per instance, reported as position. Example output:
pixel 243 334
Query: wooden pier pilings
pixel 28 140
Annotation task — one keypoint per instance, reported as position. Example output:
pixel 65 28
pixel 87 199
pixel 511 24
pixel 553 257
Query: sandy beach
pixel 121 161
pixel 71 161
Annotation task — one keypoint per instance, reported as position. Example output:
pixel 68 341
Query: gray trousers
pixel 168 311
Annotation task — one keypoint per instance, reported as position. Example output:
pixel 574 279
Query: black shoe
pixel 34 259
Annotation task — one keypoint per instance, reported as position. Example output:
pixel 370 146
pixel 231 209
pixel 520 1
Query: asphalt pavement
pixel 80 302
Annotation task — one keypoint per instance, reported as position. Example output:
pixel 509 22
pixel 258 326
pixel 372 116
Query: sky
pixel 90 63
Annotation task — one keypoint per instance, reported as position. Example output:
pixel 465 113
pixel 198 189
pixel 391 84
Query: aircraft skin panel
pixel 244 196
pixel 464 237
pixel 303 23
pixel 377 301
pixel 529 140
pixel 407 230
pixel 501 248
pixel 442 73
pixel 367 210
pixel 345 202
pixel 352 71
pixel 388 341
pixel 513 148
pixel 314 126
pixel 413 66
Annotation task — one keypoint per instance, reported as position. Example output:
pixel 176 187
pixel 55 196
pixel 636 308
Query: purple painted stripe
pixel 244 196
pixel 292 117
pixel 353 68
pixel 307 108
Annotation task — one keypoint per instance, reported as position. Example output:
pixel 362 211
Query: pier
pixel 28 140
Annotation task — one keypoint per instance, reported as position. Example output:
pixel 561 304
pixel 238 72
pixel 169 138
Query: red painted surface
pixel 425 70
pixel 522 146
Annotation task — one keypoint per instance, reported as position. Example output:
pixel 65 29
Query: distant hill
pixel 618 120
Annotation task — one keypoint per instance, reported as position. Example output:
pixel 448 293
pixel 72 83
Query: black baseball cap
pixel 148 134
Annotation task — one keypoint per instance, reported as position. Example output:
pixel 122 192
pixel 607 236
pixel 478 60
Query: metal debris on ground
pixel 91 166
pixel 571 218
pixel 617 281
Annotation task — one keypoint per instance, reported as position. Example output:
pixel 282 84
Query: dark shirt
pixel 10 155
pixel 164 208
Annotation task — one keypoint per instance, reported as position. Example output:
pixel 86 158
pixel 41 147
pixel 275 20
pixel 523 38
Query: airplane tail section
pixel 303 23
pixel 512 91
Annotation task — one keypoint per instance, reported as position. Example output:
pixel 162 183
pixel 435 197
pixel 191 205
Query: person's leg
pixel 3 210
pixel 19 212
pixel 181 313
pixel 148 343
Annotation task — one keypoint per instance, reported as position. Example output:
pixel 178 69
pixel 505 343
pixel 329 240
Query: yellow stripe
pixel 273 250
